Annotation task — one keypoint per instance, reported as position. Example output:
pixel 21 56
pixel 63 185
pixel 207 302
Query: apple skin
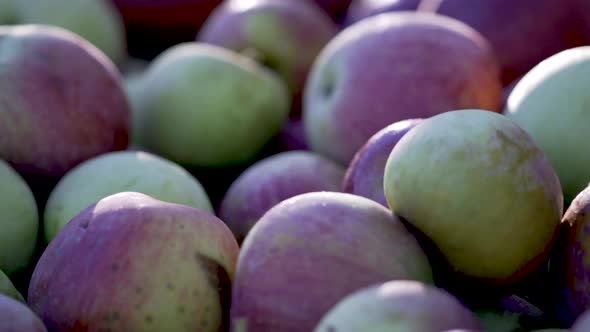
pixel 379 70
pixel 147 265
pixel 271 181
pixel 364 176
pixel 572 265
pixel 155 25
pixel 8 289
pixel 512 28
pixel 238 108
pixel 551 104
pixel 309 242
pixel 286 36
pixel 360 9
pixel 438 175
pixel 47 127
pixel 116 172
pixel 15 316
pixel 19 220
pixel 401 306
pixel 97 21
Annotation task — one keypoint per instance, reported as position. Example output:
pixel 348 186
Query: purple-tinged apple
pixel 19 220
pixel 401 306
pixel 310 251
pixel 97 21
pixel 572 266
pixel 582 324
pixel 360 9
pixel 15 316
pixel 133 263
pixel 477 185
pixel 393 67
pixel 273 180
pixel 364 176
pixel 116 172
pixel 63 100
pixel 513 29
pixel 8 289
pixel 203 105
pixel 552 105
pixel 285 36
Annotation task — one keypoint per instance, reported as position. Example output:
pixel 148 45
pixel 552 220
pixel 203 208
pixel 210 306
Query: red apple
pixel 63 100
pixel 310 251
pixel 17 317
pixel 393 67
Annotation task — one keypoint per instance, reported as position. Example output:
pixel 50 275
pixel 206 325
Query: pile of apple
pixel 295 165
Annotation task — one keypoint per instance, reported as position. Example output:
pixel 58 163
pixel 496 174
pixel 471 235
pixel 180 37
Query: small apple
pixel 360 9
pixel 364 176
pixel 97 21
pixel 309 251
pixel 203 105
pixel 19 220
pixel 393 67
pixel 401 306
pixel 271 181
pixel 116 172
pixel 15 316
pixel 285 36
pixel 63 100
pixel 477 185
pixel 551 104
pixel 134 263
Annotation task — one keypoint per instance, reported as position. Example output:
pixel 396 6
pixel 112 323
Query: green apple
pixel 8 289
pixel 481 190
pixel 552 104
pixel 116 172
pixel 97 21
pixel 203 105
pixel 19 220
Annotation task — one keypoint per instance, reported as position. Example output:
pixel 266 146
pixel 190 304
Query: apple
pixel 477 185
pixel 47 126
pixel 360 9
pixel 19 220
pixel 116 172
pixel 273 180
pixel 364 176
pixel 285 36
pixel 551 104
pixel 155 25
pixel 513 28
pixel 8 289
pixel 401 306
pixel 309 251
pixel 203 105
pixel 393 67
pixel 571 262
pixel 134 263
pixel 97 21
pixel 15 316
